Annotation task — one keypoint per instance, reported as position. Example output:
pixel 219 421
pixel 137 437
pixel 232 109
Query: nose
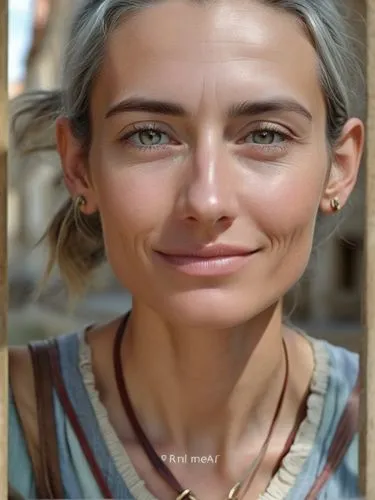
pixel 208 198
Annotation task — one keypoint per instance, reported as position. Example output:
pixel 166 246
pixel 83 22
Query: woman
pixel 199 141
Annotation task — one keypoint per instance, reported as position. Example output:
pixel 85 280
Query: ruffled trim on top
pixel 285 478
pixel 291 467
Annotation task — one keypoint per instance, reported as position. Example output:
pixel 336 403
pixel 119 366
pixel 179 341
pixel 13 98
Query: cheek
pixel 132 203
pixel 291 201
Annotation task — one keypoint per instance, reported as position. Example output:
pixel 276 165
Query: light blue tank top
pixel 334 377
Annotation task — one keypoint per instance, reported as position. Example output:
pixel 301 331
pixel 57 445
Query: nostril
pixel 191 219
pixel 225 221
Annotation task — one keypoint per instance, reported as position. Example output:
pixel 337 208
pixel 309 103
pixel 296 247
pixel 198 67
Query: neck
pixel 198 390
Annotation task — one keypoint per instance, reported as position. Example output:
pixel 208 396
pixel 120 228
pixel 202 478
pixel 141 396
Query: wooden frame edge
pixel 3 248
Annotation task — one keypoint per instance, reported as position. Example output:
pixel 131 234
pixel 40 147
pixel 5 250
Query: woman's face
pixel 209 157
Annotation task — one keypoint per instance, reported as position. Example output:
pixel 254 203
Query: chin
pixel 211 309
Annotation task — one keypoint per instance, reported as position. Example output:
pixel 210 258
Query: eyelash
pixel 261 127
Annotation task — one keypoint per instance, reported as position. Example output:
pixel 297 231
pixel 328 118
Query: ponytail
pixel 75 240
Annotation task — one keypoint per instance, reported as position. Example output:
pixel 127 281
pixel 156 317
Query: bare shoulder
pixel 21 380
pixel 21 373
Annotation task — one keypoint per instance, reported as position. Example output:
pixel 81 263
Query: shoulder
pixel 21 385
pixel 19 363
pixel 22 420
pixel 341 364
pixel 21 372
pixel 344 365
pixel 343 405
pixel 340 400
pixel 23 432
pixel 336 384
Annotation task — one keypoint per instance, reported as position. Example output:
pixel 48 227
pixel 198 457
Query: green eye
pixel 265 137
pixel 150 138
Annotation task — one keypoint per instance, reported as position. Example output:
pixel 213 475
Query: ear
pixel 345 165
pixel 74 165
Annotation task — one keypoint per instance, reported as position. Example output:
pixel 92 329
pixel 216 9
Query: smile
pixel 211 261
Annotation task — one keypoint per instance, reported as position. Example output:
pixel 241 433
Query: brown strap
pixel 346 429
pixel 47 474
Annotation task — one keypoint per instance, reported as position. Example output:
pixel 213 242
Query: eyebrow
pixel 246 108
pixel 250 108
pixel 148 106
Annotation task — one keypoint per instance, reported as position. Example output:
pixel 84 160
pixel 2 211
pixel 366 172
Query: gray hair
pixel 94 22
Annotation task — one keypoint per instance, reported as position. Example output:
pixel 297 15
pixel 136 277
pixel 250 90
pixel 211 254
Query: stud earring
pixel 335 205
pixel 80 201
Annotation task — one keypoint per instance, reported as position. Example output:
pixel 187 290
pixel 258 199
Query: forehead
pixel 189 53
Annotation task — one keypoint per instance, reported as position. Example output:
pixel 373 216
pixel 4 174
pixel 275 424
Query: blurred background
pixel 327 301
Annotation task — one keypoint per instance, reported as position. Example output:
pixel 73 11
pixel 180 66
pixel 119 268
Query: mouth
pixel 209 261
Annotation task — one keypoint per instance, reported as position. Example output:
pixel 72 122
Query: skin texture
pixel 203 356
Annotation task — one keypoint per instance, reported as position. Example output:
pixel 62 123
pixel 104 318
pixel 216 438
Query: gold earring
pixel 80 201
pixel 81 219
pixel 335 205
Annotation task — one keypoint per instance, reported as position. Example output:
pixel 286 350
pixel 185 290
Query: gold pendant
pixel 186 495
pixel 234 491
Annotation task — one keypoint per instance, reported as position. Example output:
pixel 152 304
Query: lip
pixel 214 260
